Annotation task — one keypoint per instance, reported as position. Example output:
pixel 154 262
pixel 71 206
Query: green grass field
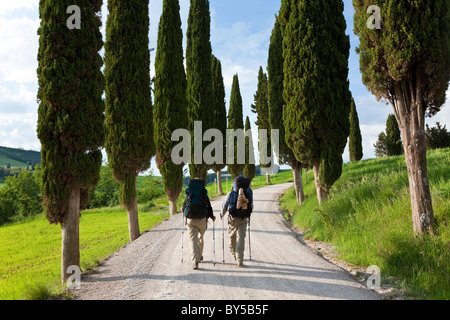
pixel 30 250
pixel 368 220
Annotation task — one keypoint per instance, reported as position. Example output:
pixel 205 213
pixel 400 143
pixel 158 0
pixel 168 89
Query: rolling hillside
pixel 18 157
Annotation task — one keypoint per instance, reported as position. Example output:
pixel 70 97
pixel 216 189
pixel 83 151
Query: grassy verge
pixel 30 250
pixel 368 220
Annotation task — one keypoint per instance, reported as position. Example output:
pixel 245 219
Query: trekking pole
pixel 214 243
pixel 182 235
pixel 249 242
pixel 223 241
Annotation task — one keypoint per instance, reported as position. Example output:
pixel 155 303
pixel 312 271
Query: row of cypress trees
pixel 74 122
pixel 309 91
pixel 404 61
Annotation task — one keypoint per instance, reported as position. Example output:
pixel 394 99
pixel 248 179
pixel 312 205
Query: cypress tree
pixel 276 106
pixel 249 168
pixel 170 110
pixel 437 137
pixel 393 138
pixel 261 108
pixel 199 77
pixel 316 89
pixel 235 122
pixel 70 116
pixel 129 114
pixel 219 116
pixel 355 138
pixel 407 63
pixel 381 146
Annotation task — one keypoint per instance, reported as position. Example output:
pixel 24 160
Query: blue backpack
pixel 244 183
pixel 196 195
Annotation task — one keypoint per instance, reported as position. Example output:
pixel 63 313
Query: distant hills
pixel 18 157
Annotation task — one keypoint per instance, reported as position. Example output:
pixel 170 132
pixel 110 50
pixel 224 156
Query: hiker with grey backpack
pixel 239 204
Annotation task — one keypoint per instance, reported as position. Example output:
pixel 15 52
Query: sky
pixel 240 37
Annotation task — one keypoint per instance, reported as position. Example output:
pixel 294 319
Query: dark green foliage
pixel 276 102
pixel 249 168
pixel 389 143
pixel 355 138
pixel 199 75
pixel 170 110
pixel 437 137
pixel 381 146
pixel 106 193
pixel 150 189
pixel 261 108
pixel 129 116
pixel 316 89
pixel 70 116
pixel 219 116
pixel 235 122
pixel 20 196
pixel 393 138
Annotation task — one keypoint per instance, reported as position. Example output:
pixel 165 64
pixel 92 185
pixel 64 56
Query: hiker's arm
pixel 225 205
pixel 210 209
pixel 184 206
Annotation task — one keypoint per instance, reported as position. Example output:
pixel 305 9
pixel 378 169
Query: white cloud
pixel 19 131
pixel 18 52
pixel 8 7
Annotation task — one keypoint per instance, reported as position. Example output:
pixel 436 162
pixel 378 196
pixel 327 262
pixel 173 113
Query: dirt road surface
pixel 281 267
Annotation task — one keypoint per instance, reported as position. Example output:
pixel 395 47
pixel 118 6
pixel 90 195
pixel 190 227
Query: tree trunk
pixel 411 121
pixel 298 183
pixel 173 207
pixel 133 220
pixel 219 183
pixel 70 244
pixel 419 188
pixel 322 194
pixel 267 177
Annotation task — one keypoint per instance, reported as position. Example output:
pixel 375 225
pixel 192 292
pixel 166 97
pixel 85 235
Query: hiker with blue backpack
pixel 197 209
pixel 239 203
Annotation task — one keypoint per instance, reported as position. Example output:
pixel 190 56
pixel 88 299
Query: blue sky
pixel 240 35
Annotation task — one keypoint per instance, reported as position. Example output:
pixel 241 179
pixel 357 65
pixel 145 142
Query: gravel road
pixel 281 268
